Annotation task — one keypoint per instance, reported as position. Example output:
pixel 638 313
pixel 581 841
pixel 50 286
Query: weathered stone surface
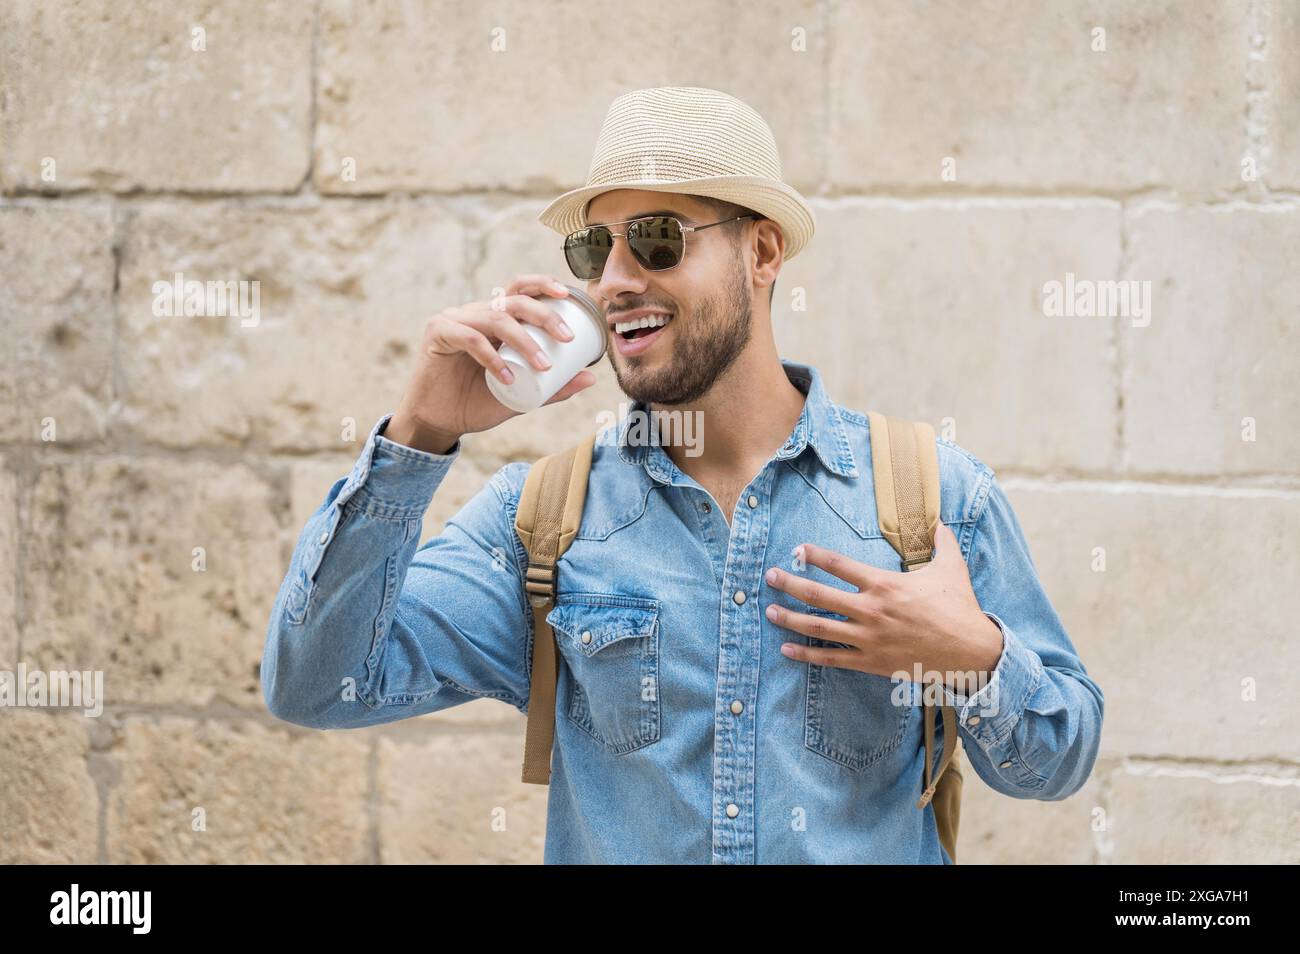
pixel 457 799
pixel 266 796
pixel 998 830
pixel 1223 344
pixel 345 291
pixel 117 96
pixel 109 550
pixel 923 298
pixel 936 312
pixel 1184 815
pixel 1282 72
pixel 1019 99
pixel 56 298
pixel 1189 628
pixel 8 568
pixel 48 804
pixel 421 116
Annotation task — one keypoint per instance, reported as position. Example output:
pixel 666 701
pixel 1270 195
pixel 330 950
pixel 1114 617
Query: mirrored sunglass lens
pixel 587 250
pixel 657 242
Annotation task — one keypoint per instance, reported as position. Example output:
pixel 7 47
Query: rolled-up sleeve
pixel 1034 729
pixel 369 626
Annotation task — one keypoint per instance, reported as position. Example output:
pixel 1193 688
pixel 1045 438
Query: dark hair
pixel 727 210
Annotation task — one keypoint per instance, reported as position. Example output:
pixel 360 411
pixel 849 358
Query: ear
pixel 769 254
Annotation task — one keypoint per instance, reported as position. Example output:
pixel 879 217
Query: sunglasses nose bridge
pixel 637 263
pixel 621 268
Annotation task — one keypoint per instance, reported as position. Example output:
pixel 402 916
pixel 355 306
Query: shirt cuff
pixel 393 480
pixel 992 713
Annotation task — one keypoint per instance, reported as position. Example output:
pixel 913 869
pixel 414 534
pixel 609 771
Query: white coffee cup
pixel 532 388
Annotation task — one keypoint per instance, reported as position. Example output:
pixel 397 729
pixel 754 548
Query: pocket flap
pixel 591 621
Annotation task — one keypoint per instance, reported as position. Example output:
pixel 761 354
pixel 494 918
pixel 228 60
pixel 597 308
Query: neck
pixel 746 416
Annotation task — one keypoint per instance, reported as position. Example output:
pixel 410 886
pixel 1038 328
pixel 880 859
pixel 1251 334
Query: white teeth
pixel 647 321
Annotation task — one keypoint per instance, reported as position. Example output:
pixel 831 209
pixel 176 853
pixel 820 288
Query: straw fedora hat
pixel 694 141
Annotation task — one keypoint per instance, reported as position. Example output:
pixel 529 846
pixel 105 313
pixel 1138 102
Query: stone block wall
pixel 369 163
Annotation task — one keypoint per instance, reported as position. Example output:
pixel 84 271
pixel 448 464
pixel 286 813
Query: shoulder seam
pixel 861 419
pixel 500 485
pixel 953 445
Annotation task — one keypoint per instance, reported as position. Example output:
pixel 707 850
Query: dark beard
pixel 704 347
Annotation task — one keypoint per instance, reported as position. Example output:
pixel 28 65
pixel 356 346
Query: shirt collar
pixel 819 426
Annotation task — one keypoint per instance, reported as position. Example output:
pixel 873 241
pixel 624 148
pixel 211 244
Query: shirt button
pixel 705 506
pixel 973 720
pixel 733 810
pixel 324 536
pixel 740 596
pixel 753 501
pixel 1006 764
pixel 737 706
pixel 586 635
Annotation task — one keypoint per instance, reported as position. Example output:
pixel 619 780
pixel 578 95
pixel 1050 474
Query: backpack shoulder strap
pixel 547 520
pixel 905 468
pixel 905 471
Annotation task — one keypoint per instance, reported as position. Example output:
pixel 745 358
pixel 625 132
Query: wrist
pixel 991 645
pixel 404 429
pixel 984 652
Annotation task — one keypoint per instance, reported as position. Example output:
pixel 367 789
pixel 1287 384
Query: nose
pixel 622 274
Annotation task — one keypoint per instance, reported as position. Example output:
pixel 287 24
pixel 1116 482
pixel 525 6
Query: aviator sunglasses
pixel 657 242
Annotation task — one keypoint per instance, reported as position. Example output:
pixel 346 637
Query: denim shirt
pixel 682 733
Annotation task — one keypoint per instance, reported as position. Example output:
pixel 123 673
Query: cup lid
pixel 588 304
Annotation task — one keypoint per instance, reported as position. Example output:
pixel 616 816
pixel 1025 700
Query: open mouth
pixel 633 337
pixel 641 327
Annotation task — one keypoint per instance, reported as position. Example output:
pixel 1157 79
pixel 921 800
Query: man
pixel 729 620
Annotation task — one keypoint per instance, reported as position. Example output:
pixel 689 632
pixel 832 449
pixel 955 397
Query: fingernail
pixel 786 650
pixel 566 330
pixel 558 287
pixel 771 575
pixel 544 361
pixel 771 612
pixel 506 376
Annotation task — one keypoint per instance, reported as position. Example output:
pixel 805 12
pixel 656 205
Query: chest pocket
pixel 610 644
pixel 854 718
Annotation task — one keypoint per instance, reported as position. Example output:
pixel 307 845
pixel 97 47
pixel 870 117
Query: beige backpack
pixel 905 469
